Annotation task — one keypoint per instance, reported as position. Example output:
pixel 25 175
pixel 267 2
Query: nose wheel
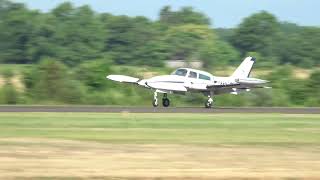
pixel 209 102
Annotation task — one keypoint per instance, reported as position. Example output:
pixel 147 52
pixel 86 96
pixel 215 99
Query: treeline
pixel 71 49
pixel 78 34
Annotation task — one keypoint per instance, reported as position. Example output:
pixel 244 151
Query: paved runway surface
pixel 113 109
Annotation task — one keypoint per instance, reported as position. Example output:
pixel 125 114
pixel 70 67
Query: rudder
pixel 244 70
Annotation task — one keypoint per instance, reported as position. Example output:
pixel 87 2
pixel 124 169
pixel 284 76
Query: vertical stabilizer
pixel 243 71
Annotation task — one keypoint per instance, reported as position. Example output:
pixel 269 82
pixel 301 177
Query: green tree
pixel 51 81
pixel 186 15
pixel 256 33
pixel 17 27
pixel 294 91
pixel 219 53
pixel 225 34
pixel 93 73
pixel 9 94
pixel 280 76
pixel 78 35
pixel 312 89
pixel 185 41
pixel 198 42
pixel 300 48
pixel 134 40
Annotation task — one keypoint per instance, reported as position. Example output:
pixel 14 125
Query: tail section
pixel 244 70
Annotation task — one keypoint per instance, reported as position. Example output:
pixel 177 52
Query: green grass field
pixel 169 146
pixel 253 129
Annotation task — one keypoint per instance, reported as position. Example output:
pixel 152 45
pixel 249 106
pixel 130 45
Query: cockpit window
pixel 204 77
pixel 181 72
pixel 192 74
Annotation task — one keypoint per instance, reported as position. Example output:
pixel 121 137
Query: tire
pixel 208 104
pixel 165 102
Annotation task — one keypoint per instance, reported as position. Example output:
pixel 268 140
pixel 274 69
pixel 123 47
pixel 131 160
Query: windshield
pixel 180 72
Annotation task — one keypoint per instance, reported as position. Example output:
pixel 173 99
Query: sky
pixel 223 13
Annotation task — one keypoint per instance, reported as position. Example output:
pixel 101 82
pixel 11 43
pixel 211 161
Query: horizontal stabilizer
pixel 122 78
pixel 251 81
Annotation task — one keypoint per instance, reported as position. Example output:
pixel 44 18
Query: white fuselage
pixel 173 82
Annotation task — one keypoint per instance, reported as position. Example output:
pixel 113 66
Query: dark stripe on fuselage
pixel 168 82
pixel 218 86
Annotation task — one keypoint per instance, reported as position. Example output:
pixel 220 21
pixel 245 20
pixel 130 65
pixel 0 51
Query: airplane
pixel 184 80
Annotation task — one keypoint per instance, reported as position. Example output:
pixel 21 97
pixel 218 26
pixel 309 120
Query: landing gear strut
pixel 209 102
pixel 155 100
pixel 165 100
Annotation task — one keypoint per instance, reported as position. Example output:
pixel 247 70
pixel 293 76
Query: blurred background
pixel 60 53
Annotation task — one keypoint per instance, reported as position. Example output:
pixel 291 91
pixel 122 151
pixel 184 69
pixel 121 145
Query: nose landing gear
pixel 155 100
pixel 209 102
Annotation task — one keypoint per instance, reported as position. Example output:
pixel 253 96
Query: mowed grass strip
pixel 132 128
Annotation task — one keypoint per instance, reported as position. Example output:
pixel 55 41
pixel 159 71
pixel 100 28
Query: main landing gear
pixel 209 102
pixel 165 100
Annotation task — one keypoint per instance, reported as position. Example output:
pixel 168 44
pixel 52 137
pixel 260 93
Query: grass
pixel 245 129
pixel 159 146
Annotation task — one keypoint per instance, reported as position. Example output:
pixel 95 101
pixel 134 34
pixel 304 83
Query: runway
pixel 118 109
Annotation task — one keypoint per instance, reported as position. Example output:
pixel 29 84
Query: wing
pixel 162 87
pixel 122 78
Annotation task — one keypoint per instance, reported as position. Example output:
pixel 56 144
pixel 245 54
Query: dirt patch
pixel 40 158
pixel 15 80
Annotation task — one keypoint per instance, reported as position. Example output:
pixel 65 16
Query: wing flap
pixel 167 86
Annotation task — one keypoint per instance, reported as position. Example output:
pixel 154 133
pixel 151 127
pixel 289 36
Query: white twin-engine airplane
pixel 185 80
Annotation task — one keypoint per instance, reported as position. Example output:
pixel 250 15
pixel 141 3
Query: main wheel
pixel 155 103
pixel 165 102
pixel 208 104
